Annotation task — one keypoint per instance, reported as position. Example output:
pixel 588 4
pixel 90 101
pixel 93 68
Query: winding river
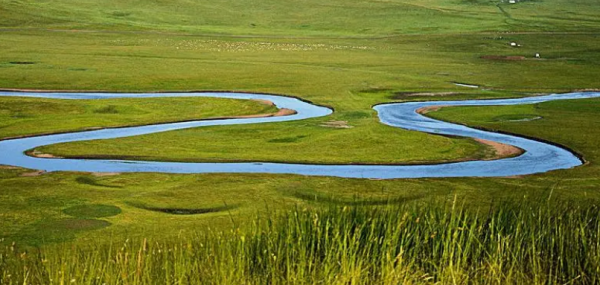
pixel 538 156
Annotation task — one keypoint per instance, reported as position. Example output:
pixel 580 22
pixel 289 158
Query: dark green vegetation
pixel 527 243
pixel 92 211
pixel 183 211
pixel 348 56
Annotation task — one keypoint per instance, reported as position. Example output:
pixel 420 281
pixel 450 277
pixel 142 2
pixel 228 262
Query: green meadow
pixel 530 242
pixel 34 116
pixel 344 55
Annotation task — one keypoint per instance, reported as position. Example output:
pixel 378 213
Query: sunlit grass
pixel 523 243
pixel 32 116
pixel 348 56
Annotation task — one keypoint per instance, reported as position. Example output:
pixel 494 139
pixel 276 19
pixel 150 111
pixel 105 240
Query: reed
pixel 392 244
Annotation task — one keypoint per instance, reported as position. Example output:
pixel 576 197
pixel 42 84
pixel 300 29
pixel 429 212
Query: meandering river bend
pixel 538 156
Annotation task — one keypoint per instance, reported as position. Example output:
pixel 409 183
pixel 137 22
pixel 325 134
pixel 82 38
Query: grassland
pixel 530 242
pixel 307 18
pixel 32 203
pixel 300 142
pixel 348 56
pixel 34 116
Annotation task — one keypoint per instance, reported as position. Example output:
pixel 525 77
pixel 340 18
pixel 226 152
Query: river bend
pixel 538 157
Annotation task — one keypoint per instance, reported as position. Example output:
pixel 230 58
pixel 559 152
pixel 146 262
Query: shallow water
pixel 538 157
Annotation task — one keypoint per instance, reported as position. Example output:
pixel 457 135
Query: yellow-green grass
pixel 338 59
pixel 569 123
pixel 331 72
pixel 293 18
pixel 33 202
pixel 529 242
pixel 348 75
pixel 313 141
pixel 32 116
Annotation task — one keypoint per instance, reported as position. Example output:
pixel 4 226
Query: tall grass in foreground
pixel 397 244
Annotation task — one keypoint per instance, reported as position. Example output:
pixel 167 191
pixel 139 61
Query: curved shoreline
pixel 282 112
pixel 538 156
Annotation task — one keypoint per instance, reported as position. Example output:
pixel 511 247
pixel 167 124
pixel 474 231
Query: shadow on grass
pixel 183 211
pixel 88 211
pixel 52 230
pixel 93 182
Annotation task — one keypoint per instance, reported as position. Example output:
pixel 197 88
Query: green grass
pixel 30 202
pixel 367 142
pixel 530 242
pixel 292 18
pixel 31 116
pixel 348 75
pixel 92 211
pixel 348 56
pixel 569 123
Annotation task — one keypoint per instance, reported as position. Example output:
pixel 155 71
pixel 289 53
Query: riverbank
pixel 541 157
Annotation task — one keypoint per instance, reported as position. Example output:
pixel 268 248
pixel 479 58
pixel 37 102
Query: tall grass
pixel 396 244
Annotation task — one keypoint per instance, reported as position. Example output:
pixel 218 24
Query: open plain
pixel 141 228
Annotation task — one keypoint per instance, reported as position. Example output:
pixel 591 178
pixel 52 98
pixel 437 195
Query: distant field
pixel 348 56
pixel 294 18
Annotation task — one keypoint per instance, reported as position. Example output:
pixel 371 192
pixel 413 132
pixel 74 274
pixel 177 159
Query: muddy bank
pixel 501 150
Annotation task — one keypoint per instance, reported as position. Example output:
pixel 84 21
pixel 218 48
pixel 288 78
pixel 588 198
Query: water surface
pixel 538 156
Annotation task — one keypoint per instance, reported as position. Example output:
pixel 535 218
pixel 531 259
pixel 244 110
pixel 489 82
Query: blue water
pixel 538 157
